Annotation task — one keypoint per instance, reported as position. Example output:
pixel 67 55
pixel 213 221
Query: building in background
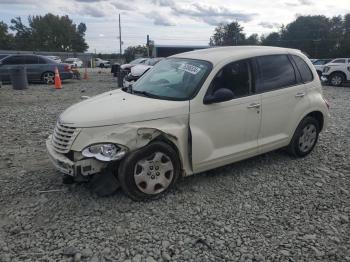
pixel 168 50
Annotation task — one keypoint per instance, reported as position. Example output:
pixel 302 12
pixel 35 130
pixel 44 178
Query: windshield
pixel 173 79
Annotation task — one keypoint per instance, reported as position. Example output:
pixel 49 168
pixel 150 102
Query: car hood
pixel 126 66
pixel 119 107
pixel 139 70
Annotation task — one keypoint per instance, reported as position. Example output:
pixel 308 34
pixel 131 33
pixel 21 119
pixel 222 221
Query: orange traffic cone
pixel 86 77
pixel 58 83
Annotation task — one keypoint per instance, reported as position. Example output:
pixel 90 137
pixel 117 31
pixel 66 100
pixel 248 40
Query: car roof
pixel 218 54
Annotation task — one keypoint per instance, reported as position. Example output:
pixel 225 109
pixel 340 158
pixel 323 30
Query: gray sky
pixel 184 22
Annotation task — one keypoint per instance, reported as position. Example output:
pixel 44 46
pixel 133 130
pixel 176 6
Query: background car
pixel 102 63
pixel 336 72
pixel 74 62
pixel 55 58
pixel 39 68
pixel 127 67
pixel 138 70
pixel 319 65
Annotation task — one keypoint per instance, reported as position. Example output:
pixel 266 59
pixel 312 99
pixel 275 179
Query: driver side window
pixel 235 76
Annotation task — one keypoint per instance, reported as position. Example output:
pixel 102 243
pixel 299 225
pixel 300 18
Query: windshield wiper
pixel 144 93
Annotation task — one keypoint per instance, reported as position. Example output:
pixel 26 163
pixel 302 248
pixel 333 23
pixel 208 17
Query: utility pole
pixel 147 45
pixel 120 37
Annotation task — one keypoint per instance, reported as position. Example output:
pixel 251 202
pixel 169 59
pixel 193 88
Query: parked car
pixel 127 67
pixel 74 62
pixel 139 70
pixel 39 68
pixel 319 65
pixel 193 112
pixel 336 72
pixel 54 58
pixel 102 63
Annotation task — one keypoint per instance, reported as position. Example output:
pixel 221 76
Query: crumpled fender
pixel 139 134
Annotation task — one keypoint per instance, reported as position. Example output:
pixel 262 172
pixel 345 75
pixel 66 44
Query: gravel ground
pixel 269 208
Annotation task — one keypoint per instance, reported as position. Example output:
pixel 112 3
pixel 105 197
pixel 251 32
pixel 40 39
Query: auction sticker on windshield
pixel 190 68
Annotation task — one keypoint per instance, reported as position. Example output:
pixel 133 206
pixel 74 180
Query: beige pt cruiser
pixel 192 112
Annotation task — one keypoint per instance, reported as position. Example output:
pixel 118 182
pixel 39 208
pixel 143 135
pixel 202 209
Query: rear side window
pixel 276 71
pixel 31 60
pixel 43 61
pixel 304 69
pixel 339 61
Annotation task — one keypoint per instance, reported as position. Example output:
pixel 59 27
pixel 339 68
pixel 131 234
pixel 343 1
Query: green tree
pixel 23 36
pixel 131 52
pixel 49 33
pixel 228 34
pixel 55 33
pixel 272 39
pixel 6 39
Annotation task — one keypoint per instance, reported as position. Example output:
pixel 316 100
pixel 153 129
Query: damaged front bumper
pixel 84 167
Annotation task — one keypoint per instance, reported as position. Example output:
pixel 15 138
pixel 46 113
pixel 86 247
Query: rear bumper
pixel 66 75
pixel 85 167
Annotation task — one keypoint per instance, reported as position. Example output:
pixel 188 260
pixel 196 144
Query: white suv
pixel 190 113
pixel 337 72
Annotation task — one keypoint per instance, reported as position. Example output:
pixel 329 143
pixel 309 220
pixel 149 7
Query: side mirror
pixel 220 95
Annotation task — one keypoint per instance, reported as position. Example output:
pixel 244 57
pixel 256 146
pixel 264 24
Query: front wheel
pixel 305 137
pixel 150 171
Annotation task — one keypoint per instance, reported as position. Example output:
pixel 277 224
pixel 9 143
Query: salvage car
pixel 39 68
pixel 127 67
pixel 74 62
pixel 190 113
pixel 138 70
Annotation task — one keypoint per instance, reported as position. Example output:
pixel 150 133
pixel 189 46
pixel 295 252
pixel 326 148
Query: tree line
pixel 317 36
pixel 43 33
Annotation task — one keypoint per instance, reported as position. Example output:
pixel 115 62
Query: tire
pixel 102 65
pixel 48 78
pixel 305 137
pixel 336 79
pixel 149 172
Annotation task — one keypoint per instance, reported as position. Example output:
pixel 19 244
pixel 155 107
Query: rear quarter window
pixel 304 69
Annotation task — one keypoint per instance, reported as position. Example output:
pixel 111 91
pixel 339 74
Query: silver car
pixel 39 68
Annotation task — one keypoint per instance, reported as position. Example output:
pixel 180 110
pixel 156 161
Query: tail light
pixel 67 68
pixel 326 102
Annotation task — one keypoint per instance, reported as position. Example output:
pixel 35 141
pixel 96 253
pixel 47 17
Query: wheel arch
pixel 318 115
pixel 338 72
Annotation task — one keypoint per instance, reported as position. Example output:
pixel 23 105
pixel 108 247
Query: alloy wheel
pixel 49 78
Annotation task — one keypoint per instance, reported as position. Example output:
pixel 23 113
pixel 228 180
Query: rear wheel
pixel 336 79
pixel 102 65
pixel 305 137
pixel 48 78
pixel 150 171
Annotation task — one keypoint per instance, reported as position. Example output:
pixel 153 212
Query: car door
pixel 33 69
pixel 228 131
pixel 9 63
pixel 283 100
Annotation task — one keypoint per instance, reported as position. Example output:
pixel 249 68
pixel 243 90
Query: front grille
pixel 63 137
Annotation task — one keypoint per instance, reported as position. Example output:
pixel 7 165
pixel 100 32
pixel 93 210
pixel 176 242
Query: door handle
pixel 254 105
pixel 300 94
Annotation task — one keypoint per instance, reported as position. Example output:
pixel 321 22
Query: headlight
pixel 326 69
pixel 105 152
